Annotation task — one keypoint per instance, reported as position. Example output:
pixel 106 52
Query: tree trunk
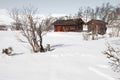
pixel 41 46
pixel 36 47
pixel 96 33
pixel 93 36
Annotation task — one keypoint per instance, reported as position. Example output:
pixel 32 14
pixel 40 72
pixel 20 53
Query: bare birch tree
pixel 100 12
pixel 104 11
pixel 33 28
pixel 14 14
pixel 115 22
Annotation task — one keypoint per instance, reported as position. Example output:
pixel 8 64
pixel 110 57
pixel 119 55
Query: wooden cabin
pixel 69 25
pixel 97 25
pixel 16 26
pixel 3 28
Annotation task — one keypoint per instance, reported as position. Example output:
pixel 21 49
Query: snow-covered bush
pixel 86 36
pixel 110 34
pixel 113 54
pixel 115 32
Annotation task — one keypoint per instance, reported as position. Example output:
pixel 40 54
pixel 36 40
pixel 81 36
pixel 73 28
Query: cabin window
pixel 64 29
pixel 72 28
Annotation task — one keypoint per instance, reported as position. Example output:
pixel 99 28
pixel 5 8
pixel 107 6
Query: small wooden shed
pixel 98 25
pixel 69 25
pixel 3 28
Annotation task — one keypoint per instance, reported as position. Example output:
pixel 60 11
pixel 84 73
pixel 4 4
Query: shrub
pixel 7 50
pixel 86 36
pixel 113 54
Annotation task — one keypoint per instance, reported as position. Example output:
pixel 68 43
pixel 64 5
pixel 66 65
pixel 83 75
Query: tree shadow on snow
pixel 53 47
pixel 15 54
pixel 58 45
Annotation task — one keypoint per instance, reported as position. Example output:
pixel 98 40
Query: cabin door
pixel 58 28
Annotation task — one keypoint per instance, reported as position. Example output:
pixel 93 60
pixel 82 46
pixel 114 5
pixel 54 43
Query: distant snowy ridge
pixel 6 20
pixel 4 17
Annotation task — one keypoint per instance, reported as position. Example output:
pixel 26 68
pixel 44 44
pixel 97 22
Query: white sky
pixel 55 6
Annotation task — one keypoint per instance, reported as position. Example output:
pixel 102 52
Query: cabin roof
pixel 69 22
pixel 97 22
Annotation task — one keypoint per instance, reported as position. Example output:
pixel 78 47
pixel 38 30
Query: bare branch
pixel 114 55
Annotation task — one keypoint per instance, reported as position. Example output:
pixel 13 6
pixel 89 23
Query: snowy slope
pixel 6 20
pixel 4 17
pixel 72 58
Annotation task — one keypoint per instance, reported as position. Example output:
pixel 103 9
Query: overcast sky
pixel 55 6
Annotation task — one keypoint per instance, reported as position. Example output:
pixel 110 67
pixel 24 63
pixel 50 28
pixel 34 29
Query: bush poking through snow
pixel 115 31
pixel 86 36
pixel 110 34
pixel 47 47
pixel 114 55
pixel 7 50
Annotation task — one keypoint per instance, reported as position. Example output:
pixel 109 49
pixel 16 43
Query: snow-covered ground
pixel 71 58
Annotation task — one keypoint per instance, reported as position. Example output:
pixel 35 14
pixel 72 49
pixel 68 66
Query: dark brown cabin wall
pixel 91 25
pixel 73 25
pixel 55 28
